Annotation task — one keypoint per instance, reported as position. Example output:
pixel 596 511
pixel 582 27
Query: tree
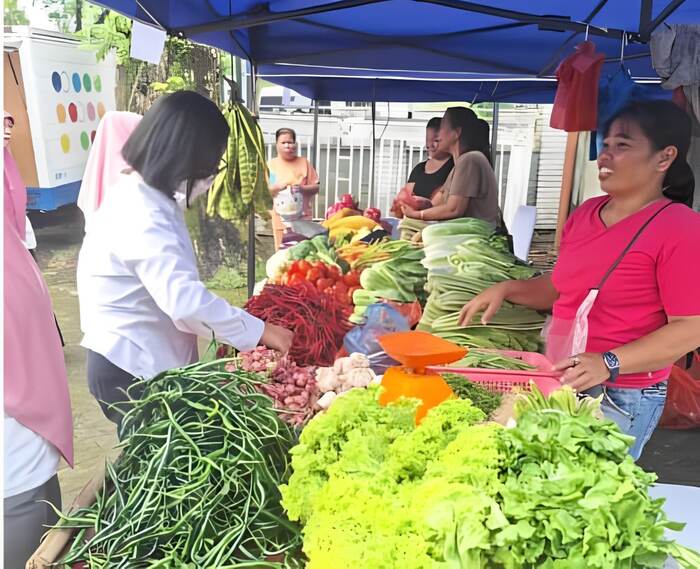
pixel 71 15
pixel 14 16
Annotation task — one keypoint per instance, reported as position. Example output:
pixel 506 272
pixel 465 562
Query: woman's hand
pixel 277 188
pixel 489 302
pixel 583 371
pixel 277 338
pixel 408 211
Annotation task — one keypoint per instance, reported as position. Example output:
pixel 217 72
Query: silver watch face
pixel 611 360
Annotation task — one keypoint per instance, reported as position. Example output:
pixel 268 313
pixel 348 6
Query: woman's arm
pixel 438 196
pixel 537 293
pixel 652 352
pixel 454 207
pixel 276 188
pixel 310 189
pixel 662 347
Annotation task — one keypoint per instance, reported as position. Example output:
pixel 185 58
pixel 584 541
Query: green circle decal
pixel 87 83
pixel 98 83
pixel 85 140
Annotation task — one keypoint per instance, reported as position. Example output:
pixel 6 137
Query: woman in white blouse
pixel 142 303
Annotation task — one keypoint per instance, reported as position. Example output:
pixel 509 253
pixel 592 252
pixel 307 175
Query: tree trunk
pixel 78 15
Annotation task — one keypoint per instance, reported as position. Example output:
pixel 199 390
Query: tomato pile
pixel 326 278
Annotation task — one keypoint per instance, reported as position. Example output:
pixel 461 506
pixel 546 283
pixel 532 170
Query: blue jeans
pixel 636 411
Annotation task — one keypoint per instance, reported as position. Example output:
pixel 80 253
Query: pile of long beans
pixel 196 482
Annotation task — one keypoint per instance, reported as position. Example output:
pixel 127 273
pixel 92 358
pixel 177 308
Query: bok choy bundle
pixel 464 257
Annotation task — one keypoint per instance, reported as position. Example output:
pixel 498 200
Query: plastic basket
pixel 505 381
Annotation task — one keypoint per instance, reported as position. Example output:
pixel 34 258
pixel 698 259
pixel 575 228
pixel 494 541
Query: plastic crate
pixel 506 381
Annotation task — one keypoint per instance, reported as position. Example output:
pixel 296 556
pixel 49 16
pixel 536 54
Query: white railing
pixel 345 162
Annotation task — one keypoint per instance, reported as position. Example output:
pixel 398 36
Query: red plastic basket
pixel 500 381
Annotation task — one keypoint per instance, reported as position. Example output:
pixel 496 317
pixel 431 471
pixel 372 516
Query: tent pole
pixel 567 185
pixel 252 106
pixel 314 158
pixel 494 134
pixel 374 152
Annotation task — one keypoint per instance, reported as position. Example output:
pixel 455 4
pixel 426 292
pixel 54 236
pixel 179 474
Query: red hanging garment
pixel 576 102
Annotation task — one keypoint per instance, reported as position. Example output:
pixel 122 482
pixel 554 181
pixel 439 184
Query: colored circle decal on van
pixel 84 140
pixel 61 113
pixel 98 83
pixel 65 82
pixel 65 143
pixel 56 81
pixel 73 112
pixel 76 82
pixel 92 136
pixel 87 83
pixel 100 110
pixel 91 112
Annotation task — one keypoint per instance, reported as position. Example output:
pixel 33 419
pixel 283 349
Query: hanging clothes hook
pixel 622 47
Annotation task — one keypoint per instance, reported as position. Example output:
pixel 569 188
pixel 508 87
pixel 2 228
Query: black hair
pixel 434 123
pixel 285 130
pixel 484 131
pixel 181 137
pixel 470 137
pixel 665 124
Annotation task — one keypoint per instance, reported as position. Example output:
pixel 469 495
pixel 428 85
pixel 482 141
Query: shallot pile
pixel 291 387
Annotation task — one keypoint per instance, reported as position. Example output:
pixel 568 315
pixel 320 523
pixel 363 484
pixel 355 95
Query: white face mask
pixel 200 187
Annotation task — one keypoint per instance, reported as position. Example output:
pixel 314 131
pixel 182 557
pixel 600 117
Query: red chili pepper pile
pixel 324 278
pixel 317 319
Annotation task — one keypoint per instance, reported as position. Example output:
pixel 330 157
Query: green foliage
pixel 227 278
pixel 114 33
pixel 171 85
pixel 14 16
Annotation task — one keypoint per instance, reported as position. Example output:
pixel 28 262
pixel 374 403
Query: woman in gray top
pixel 471 189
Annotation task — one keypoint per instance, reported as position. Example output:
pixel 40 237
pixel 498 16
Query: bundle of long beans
pixel 196 482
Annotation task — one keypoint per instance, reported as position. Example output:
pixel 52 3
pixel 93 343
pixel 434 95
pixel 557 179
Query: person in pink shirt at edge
pixel 38 424
pixel 289 169
pixel 105 163
pixel 624 291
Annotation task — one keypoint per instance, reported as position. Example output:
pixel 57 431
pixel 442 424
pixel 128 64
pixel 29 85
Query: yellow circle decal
pixel 65 143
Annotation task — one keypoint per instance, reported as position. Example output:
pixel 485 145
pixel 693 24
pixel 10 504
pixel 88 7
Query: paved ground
pixel 674 455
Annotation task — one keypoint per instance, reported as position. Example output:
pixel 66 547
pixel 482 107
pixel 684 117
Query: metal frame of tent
pixel 264 16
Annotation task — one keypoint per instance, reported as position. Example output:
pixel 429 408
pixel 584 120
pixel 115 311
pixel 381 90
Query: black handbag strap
pixel 629 245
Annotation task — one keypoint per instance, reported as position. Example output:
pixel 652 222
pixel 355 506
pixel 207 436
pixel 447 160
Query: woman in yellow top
pixel 289 169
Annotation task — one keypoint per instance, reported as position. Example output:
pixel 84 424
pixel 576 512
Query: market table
pixel 682 505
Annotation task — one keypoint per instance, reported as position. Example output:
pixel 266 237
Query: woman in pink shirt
pixel 624 292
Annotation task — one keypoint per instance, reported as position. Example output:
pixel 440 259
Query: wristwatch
pixel 613 364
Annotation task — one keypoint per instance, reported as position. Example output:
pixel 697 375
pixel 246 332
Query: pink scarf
pixel 15 194
pixel 105 162
pixel 35 380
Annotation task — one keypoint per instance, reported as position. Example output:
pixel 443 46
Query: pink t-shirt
pixel 658 277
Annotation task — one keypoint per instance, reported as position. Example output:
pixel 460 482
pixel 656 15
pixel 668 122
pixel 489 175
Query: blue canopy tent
pixel 499 38
pixel 417 50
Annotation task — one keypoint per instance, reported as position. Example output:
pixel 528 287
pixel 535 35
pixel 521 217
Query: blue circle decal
pixel 56 81
pixel 76 82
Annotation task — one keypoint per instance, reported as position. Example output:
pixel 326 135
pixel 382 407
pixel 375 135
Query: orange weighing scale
pixel 417 351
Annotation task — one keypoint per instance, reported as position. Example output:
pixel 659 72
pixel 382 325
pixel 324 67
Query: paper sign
pixel 147 42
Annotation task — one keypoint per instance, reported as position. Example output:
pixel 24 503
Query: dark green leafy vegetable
pixel 464 389
pixel 491 360
pixel 196 482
